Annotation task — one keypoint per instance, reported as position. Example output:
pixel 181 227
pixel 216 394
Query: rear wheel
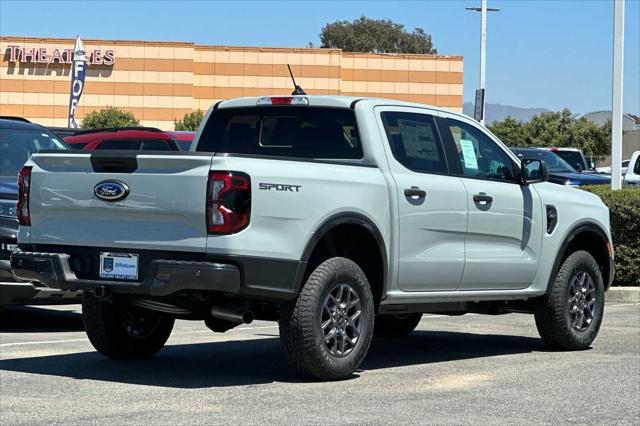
pixel 396 325
pixel 124 332
pixel 326 332
pixel 569 317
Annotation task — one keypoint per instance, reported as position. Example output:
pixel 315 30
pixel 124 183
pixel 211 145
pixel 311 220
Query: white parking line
pixel 43 342
pixel 48 342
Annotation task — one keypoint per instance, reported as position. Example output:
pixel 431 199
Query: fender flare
pixel 585 226
pixel 341 219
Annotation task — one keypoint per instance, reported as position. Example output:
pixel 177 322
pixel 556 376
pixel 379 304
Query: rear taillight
pixel 24 189
pixel 228 202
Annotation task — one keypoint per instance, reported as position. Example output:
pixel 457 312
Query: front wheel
pixel 124 332
pixel 569 317
pixel 326 332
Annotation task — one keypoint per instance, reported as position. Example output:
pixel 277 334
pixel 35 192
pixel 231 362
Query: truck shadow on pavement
pixel 260 361
pixel 32 319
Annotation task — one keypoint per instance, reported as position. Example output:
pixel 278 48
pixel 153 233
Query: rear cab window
pixel 139 145
pixel 287 131
pixel 159 145
pixel 126 144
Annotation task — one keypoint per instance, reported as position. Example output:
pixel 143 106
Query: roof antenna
pixel 297 89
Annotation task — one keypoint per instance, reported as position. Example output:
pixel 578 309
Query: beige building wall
pixel 162 81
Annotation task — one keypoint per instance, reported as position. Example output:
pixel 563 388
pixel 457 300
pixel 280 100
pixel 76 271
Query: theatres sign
pixel 63 56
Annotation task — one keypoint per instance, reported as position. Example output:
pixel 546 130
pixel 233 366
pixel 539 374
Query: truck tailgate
pixel 163 210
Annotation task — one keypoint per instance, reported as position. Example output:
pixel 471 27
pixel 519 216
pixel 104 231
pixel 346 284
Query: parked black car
pixel 560 171
pixel 20 138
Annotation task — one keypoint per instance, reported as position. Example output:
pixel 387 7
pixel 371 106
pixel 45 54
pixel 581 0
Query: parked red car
pixel 183 138
pixel 127 138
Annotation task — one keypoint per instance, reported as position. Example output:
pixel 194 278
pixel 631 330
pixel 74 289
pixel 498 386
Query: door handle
pixel 414 191
pixel 483 198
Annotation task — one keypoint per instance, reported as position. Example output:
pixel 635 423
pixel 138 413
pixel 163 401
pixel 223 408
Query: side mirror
pixel 579 168
pixel 533 171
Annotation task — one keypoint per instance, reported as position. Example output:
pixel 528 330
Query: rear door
pixel 432 205
pixel 504 235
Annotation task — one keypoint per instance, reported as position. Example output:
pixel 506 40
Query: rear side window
pixel 305 132
pixel 127 144
pixel 414 141
pixel 574 158
pixel 636 168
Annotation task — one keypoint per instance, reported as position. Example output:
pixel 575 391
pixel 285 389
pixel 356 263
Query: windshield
pixel 554 163
pixel 17 145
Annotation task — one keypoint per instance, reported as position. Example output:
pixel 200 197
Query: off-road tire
pixel 300 322
pixel 105 325
pixel 399 325
pixel 552 310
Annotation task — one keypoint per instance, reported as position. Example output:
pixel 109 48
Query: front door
pixel 504 236
pixel 432 206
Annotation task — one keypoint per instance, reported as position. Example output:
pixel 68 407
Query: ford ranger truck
pixel 341 218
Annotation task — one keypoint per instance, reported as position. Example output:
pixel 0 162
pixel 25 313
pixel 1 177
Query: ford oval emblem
pixel 111 190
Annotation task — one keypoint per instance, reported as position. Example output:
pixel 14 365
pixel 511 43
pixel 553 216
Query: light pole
pixel 483 9
pixel 616 108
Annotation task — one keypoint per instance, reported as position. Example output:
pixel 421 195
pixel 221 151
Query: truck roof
pixel 329 101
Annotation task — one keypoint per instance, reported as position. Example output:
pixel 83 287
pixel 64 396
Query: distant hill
pixel 499 112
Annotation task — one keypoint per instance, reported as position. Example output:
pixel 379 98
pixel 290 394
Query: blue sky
pixel 550 54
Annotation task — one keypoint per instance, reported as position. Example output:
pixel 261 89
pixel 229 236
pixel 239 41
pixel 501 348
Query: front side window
pixel 480 157
pixel 414 141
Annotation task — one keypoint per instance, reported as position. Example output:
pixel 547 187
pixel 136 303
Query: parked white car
pixel 607 170
pixel 632 177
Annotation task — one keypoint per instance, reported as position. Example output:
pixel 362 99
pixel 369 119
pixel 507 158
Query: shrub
pixel 190 121
pixel 109 117
pixel 624 207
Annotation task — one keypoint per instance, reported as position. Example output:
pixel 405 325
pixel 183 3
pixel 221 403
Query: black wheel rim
pixel 581 303
pixel 340 320
pixel 139 324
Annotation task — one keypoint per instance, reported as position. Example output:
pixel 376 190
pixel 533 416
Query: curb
pixel 623 294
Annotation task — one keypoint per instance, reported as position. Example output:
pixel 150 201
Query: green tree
pixel 375 36
pixel 510 131
pixel 109 117
pixel 559 129
pixel 190 121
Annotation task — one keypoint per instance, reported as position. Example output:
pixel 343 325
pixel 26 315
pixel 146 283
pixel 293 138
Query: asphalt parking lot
pixel 452 370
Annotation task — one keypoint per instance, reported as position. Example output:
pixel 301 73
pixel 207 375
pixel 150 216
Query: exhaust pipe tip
pixel 237 314
pixel 248 317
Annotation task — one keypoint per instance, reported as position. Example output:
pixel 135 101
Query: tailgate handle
pixel 113 164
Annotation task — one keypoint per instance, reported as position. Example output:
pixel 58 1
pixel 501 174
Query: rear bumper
pixel 164 272
pixel 14 293
pixel 164 277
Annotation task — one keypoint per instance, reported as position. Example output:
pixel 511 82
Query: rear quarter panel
pixel 283 221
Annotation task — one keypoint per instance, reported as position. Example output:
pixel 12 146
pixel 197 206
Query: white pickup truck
pixel 338 217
